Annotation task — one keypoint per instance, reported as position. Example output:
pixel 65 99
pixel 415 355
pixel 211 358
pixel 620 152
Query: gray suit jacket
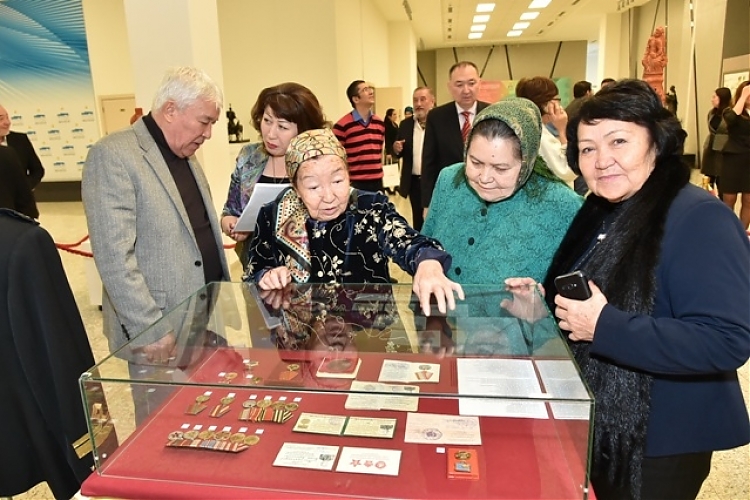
pixel 141 237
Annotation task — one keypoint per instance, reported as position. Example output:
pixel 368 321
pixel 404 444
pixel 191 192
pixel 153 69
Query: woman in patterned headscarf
pixel 323 231
pixel 502 212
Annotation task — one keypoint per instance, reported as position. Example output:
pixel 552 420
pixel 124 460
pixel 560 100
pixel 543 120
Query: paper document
pixel 262 194
pixel 442 429
pixel 512 382
pixel 561 381
pixel 306 456
pixel 369 461
pixel 383 397
pixel 407 372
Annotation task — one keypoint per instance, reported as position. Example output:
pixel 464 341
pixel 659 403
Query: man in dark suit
pixel 408 145
pixel 15 193
pixel 448 125
pixel 20 143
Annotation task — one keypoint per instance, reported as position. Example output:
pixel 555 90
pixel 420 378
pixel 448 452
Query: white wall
pixel 267 43
pixel 109 52
pixel 402 55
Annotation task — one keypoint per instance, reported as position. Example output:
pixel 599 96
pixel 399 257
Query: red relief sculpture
pixel 655 60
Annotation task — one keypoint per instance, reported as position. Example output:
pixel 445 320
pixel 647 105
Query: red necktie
pixel 467 125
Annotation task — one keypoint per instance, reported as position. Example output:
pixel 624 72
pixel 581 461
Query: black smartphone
pixel 573 285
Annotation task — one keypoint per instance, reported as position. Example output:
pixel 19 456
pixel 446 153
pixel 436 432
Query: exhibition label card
pixel 370 427
pixel 319 423
pixel 369 461
pixel 434 428
pixel 407 372
pixel 306 456
pixel 384 397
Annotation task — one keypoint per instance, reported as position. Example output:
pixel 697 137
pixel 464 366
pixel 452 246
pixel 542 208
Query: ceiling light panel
pixel 539 4
pixel 484 18
pixel 475 36
pixel 529 16
pixel 514 33
pixel 478 27
pixel 521 26
pixel 486 7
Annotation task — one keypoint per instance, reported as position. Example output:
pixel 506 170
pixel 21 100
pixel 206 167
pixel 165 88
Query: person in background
pixel 448 126
pixel 154 232
pixel 606 82
pixel 735 168
pixel 711 162
pixel 20 143
pixel 666 327
pixel 321 230
pixel 501 212
pixel 279 114
pixel 542 91
pixel 408 112
pixel 408 145
pixel 581 90
pixel 15 192
pixel 391 130
pixel 362 133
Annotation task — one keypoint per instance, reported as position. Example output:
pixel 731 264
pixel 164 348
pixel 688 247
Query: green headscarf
pixel 525 120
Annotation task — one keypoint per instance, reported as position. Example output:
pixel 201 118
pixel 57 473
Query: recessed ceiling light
pixel 484 18
pixel 478 27
pixel 539 4
pixel 515 33
pixel 521 26
pixel 529 16
pixel 475 36
pixel 485 7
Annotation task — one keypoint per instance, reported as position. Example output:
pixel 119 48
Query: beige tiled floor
pixel 729 479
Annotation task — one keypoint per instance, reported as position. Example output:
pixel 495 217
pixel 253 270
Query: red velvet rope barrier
pixel 71 247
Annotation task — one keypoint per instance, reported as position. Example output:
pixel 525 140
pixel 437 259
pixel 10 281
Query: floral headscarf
pixel 291 213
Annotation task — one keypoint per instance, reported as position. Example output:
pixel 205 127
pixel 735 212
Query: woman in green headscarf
pixel 502 212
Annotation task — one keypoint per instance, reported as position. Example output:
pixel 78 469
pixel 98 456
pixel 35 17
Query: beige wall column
pixel 613 48
pixel 402 54
pixel 176 33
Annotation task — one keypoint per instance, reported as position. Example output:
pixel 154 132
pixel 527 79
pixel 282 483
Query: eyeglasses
pixel 366 89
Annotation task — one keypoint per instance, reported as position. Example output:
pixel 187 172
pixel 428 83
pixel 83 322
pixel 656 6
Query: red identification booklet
pixel 463 463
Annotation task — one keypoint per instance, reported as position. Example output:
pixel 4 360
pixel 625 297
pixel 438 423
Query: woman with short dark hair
pixel 279 114
pixel 543 92
pixel 666 327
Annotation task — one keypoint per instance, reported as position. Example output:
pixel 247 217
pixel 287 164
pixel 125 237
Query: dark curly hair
pixel 292 102
pixel 636 102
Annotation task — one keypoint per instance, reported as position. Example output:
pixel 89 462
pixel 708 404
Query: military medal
pixel 198 406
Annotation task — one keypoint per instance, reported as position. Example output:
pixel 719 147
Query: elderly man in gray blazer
pixel 154 233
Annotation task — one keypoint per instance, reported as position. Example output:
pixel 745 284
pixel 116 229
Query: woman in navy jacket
pixel 667 326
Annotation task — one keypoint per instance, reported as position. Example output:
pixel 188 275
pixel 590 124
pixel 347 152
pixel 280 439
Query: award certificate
pixel 319 423
pixel 306 456
pixel 369 461
pixel 442 429
pixel 370 427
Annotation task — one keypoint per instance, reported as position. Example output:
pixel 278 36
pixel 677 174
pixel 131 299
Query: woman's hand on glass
pixel 430 280
pixel 526 302
pixel 275 279
pixel 228 223
pixel 579 317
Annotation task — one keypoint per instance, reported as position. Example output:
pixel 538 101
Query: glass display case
pixel 342 390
